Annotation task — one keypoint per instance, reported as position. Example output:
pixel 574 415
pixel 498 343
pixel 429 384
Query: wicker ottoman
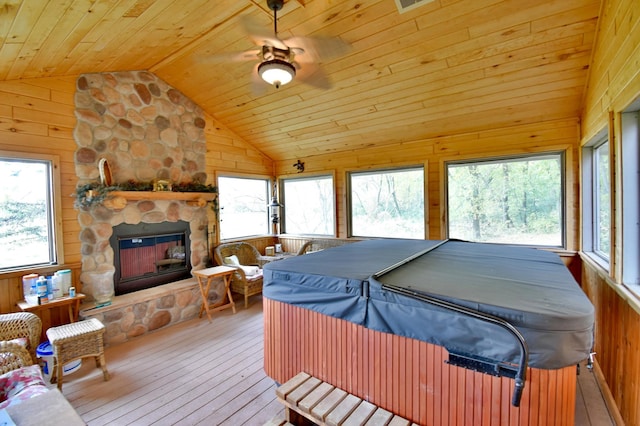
pixel 74 341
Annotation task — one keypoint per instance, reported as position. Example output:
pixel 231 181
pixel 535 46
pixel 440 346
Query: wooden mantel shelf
pixel 118 199
pixel 163 195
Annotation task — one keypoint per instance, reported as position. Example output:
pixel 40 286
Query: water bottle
pixel 41 287
pixel 50 287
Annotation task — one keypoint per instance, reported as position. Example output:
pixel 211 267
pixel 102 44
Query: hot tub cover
pixel 530 288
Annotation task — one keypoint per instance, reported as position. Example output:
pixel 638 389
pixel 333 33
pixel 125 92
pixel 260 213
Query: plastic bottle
pixel 29 285
pixel 56 286
pixel 65 279
pixel 41 287
pixel 49 287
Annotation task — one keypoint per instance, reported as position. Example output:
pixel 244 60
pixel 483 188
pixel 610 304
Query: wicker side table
pixel 74 341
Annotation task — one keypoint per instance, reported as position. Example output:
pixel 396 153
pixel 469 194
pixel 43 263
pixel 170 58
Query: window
pixel 602 201
pixel 509 200
pixel 387 203
pixel 596 190
pixel 630 158
pixel 29 234
pixel 243 207
pixel 309 206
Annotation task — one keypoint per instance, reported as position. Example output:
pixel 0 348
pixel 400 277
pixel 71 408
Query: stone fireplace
pixel 145 131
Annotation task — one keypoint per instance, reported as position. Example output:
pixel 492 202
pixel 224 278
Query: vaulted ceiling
pixel 444 67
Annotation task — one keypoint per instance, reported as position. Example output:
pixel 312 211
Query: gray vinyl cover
pixel 531 289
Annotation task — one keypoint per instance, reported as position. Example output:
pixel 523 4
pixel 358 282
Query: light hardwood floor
pixel 206 373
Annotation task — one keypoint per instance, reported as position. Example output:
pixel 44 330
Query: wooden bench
pixel 308 400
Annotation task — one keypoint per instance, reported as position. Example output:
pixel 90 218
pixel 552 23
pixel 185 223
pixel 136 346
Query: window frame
pixel 399 168
pixel 54 200
pixel 564 157
pixel 268 194
pixel 283 201
pixel 589 200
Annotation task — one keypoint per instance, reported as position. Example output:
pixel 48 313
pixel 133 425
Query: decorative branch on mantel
pixel 114 196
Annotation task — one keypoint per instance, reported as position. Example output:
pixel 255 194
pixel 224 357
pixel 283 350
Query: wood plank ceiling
pixel 446 67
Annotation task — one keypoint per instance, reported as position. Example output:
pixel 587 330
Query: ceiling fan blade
pixel 258 35
pixel 313 75
pixel 249 55
pixel 318 48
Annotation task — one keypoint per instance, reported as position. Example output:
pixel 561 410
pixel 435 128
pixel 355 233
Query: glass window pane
pixel 26 225
pixel 630 197
pixel 602 206
pixel 309 206
pixel 512 201
pixel 243 207
pixel 388 204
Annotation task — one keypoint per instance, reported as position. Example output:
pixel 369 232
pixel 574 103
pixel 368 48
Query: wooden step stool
pixel 75 341
pixel 309 400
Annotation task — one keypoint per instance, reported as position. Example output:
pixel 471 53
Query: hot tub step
pixel 309 400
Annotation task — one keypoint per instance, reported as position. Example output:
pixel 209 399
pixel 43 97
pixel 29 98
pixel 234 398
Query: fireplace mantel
pixel 118 199
pixel 163 195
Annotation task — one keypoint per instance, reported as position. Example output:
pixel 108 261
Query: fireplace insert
pixel 150 254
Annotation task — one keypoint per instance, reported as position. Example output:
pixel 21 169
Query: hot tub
pixel 440 332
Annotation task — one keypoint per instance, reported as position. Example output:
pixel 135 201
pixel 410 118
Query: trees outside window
pixel 28 233
pixel 309 206
pixel 387 203
pixel 602 201
pixel 596 199
pixel 509 200
pixel 243 207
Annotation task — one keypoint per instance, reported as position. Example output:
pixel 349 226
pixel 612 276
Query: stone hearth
pixel 137 313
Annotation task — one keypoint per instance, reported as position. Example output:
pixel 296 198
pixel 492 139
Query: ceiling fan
pixel 283 60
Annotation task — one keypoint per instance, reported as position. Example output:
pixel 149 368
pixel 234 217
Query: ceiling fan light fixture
pixel 276 72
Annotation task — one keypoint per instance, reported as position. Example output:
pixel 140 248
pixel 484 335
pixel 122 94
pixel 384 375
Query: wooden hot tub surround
pixel 408 377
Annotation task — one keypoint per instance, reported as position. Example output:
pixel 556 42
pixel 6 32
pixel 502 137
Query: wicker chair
pixel 317 245
pixel 18 325
pixel 247 255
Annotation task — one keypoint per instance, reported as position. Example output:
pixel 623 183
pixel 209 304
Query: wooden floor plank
pixel 204 373
pixel 590 406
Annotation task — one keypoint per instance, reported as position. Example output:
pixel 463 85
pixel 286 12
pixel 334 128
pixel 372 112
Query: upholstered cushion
pixel 249 271
pixel 231 260
pixel 21 384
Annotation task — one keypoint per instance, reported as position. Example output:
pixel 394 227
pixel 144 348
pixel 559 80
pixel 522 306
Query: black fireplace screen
pixel 148 255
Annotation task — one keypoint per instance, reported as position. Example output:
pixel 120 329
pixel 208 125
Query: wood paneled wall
pixel 552 136
pixel 614 75
pixel 617 342
pixel 37 116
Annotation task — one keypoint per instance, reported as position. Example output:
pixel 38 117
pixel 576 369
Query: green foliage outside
pixel 507 201
pixel 603 202
pixel 309 207
pixel 388 204
pixel 24 221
